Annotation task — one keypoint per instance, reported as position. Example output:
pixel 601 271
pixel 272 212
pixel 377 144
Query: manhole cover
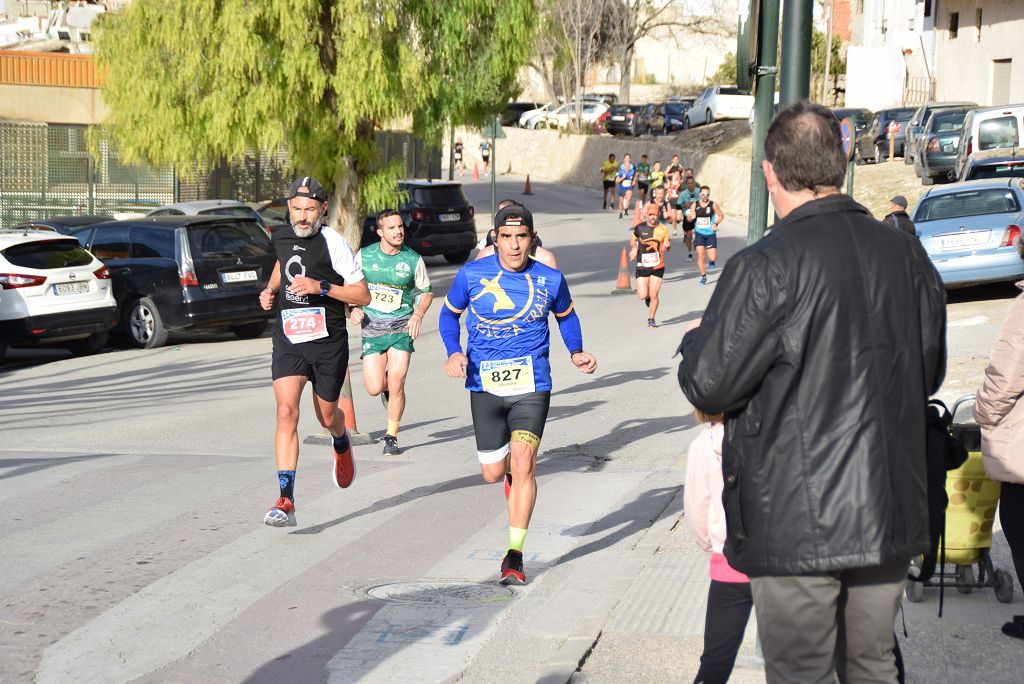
pixel 449 593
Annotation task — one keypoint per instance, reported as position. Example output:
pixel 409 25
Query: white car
pixel 561 117
pixel 53 292
pixel 719 102
pixel 215 207
pixel 532 118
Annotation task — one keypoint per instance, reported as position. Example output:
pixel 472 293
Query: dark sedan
pixel 873 142
pixel 937 154
pixel 916 127
pixel 998 163
pixel 624 119
pixel 668 117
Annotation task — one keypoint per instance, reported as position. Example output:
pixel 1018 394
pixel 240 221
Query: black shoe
pixel 512 568
pixel 1014 629
pixel 391 447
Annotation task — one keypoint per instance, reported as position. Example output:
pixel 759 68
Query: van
pixel 989 128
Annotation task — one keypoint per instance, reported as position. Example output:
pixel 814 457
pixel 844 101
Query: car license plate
pixel 618 118
pixel 450 217
pixel 70 288
pixel 238 276
pixel 963 240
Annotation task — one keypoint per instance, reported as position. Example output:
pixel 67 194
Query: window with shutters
pixel 1001 69
pixel 954 24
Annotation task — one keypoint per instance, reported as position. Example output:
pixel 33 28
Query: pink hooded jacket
pixel 702 500
pixel 999 409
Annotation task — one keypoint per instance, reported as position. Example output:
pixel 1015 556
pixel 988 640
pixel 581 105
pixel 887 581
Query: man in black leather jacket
pixel 821 344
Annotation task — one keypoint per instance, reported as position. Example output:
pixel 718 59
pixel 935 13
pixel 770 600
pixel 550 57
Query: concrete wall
pixel 964 64
pixel 577 159
pixel 51 104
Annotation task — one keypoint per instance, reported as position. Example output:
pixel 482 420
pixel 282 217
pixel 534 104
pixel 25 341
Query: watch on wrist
pixel 325 287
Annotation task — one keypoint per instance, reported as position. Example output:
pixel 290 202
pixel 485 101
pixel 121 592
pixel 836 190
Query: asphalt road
pixel 135 483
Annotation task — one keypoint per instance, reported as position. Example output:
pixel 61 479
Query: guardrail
pixel 47 69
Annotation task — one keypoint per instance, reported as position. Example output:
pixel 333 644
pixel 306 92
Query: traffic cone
pixel 526 190
pixel 476 171
pixel 348 408
pixel 622 284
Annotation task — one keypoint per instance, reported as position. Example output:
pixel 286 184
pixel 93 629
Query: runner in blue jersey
pixel 624 183
pixel 507 298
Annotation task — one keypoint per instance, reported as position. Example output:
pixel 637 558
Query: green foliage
pixel 197 80
pixel 726 72
pixel 837 64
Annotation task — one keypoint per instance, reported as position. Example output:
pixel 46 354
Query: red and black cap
pixel 514 215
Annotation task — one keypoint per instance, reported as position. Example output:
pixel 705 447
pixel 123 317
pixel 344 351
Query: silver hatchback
pixel 970 229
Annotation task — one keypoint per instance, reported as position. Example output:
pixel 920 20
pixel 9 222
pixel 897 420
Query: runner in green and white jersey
pixel 399 297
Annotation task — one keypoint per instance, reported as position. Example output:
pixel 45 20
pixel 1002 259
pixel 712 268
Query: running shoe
pixel 651 323
pixel 620 214
pixel 512 568
pixel 604 204
pixel 703 280
pixel 281 514
pixel 690 256
pixel 391 447
pixel 344 467
pixel 711 264
pixel 508 484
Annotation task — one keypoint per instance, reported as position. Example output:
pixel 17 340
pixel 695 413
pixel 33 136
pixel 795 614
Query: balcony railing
pixel 47 69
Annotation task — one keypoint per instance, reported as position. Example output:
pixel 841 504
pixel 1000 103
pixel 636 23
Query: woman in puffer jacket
pixel 729 598
pixel 999 411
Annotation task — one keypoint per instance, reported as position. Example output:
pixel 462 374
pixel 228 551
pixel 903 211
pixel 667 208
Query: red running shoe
pixel 344 467
pixel 512 568
pixel 282 514
pixel 508 484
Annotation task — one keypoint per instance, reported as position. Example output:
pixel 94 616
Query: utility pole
pixel 828 51
pixel 764 103
pixel 795 70
pixel 451 150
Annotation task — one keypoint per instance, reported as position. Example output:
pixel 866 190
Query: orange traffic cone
pixel 348 408
pixel 526 190
pixel 622 284
pixel 476 171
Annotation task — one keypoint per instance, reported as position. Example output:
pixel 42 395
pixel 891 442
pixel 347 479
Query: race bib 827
pixel 508 377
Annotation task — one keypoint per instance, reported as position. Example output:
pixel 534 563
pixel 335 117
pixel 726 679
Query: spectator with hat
pixel 898 217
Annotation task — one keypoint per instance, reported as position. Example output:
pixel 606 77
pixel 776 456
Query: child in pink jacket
pixel 729 598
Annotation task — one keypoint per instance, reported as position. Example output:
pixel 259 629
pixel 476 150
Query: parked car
pixel 969 230
pixel 668 117
pixel 624 119
pixel 719 102
pixel 861 117
pixel 873 142
pixel 938 150
pixel 52 292
pixel 438 220
pixel 534 118
pixel 561 117
pixel 274 213
pixel 513 110
pixel 916 126
pixel 184 273
pixel 61 224
pixel 215 207
pixel 989 128
pixel 995 164
pixel 606 98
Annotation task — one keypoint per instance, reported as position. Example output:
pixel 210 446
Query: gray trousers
pixel 817 628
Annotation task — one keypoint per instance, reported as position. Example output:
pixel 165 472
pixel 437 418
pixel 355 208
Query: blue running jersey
pixel 507 323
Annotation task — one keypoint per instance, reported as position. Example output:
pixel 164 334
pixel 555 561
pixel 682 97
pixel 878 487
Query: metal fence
pixel 46 170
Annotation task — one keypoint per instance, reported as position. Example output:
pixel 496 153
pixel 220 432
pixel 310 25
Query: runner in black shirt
pixel 310 341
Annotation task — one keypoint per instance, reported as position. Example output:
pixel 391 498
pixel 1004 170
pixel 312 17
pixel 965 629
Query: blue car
pixel 970 230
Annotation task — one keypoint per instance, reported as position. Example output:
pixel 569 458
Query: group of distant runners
pixel 459 156
pixel 505 296
pixel 670 201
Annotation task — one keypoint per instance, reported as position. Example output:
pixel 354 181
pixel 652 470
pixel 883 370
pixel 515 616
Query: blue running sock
pixel 341 443
pixel 286 480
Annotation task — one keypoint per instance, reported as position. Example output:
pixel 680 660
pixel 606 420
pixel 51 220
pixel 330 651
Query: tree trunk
pixel 545 78
pixel 343 211
pixel 626 67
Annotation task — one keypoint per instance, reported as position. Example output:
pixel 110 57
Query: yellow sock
pixel 516 537
pixel 393 427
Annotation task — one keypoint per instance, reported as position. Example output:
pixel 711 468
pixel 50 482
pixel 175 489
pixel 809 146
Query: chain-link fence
pixel 47 171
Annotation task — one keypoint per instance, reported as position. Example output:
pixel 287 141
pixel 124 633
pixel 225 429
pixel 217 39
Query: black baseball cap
pixel 900 201
pixel 514 215
pixel 307 187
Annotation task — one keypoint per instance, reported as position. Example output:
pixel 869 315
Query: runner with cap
pixel 537 250
pixel 310 342
pixel 706 216
pixel 647 247
pixel 399 297
pixel 507 298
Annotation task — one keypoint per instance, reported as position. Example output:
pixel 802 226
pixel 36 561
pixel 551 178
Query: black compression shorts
pixel 497 420
pixel 323 364
pixel 608 184
pixel 642 272
pixel 642 185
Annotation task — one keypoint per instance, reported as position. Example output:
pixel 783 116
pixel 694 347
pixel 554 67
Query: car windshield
pixel 1009 169
pixel 731 90
pixel 966 203
pixel 234 238
pixel 48 254
pixel 676 108
pixel 998 133
pixel 443 195
pixel 619 110
pixel 898 114
pixel 944 123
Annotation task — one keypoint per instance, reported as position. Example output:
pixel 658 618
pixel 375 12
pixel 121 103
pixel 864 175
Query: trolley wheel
pixel 915 591
pixel 1003 586
pixel 964 578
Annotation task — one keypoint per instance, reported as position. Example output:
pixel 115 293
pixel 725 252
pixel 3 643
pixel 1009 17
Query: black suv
pixel 438 220
pixel 668 117
pixel 184 272
pixel 624 118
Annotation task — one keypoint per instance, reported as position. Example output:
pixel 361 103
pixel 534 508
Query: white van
pixel 989 128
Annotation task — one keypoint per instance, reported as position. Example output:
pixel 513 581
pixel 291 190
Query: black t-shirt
pixel 324 256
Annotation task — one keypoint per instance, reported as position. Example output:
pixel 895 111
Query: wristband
pixel 574 352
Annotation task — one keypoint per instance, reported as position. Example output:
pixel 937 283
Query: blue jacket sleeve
pixel 568 321
pixel 455 303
